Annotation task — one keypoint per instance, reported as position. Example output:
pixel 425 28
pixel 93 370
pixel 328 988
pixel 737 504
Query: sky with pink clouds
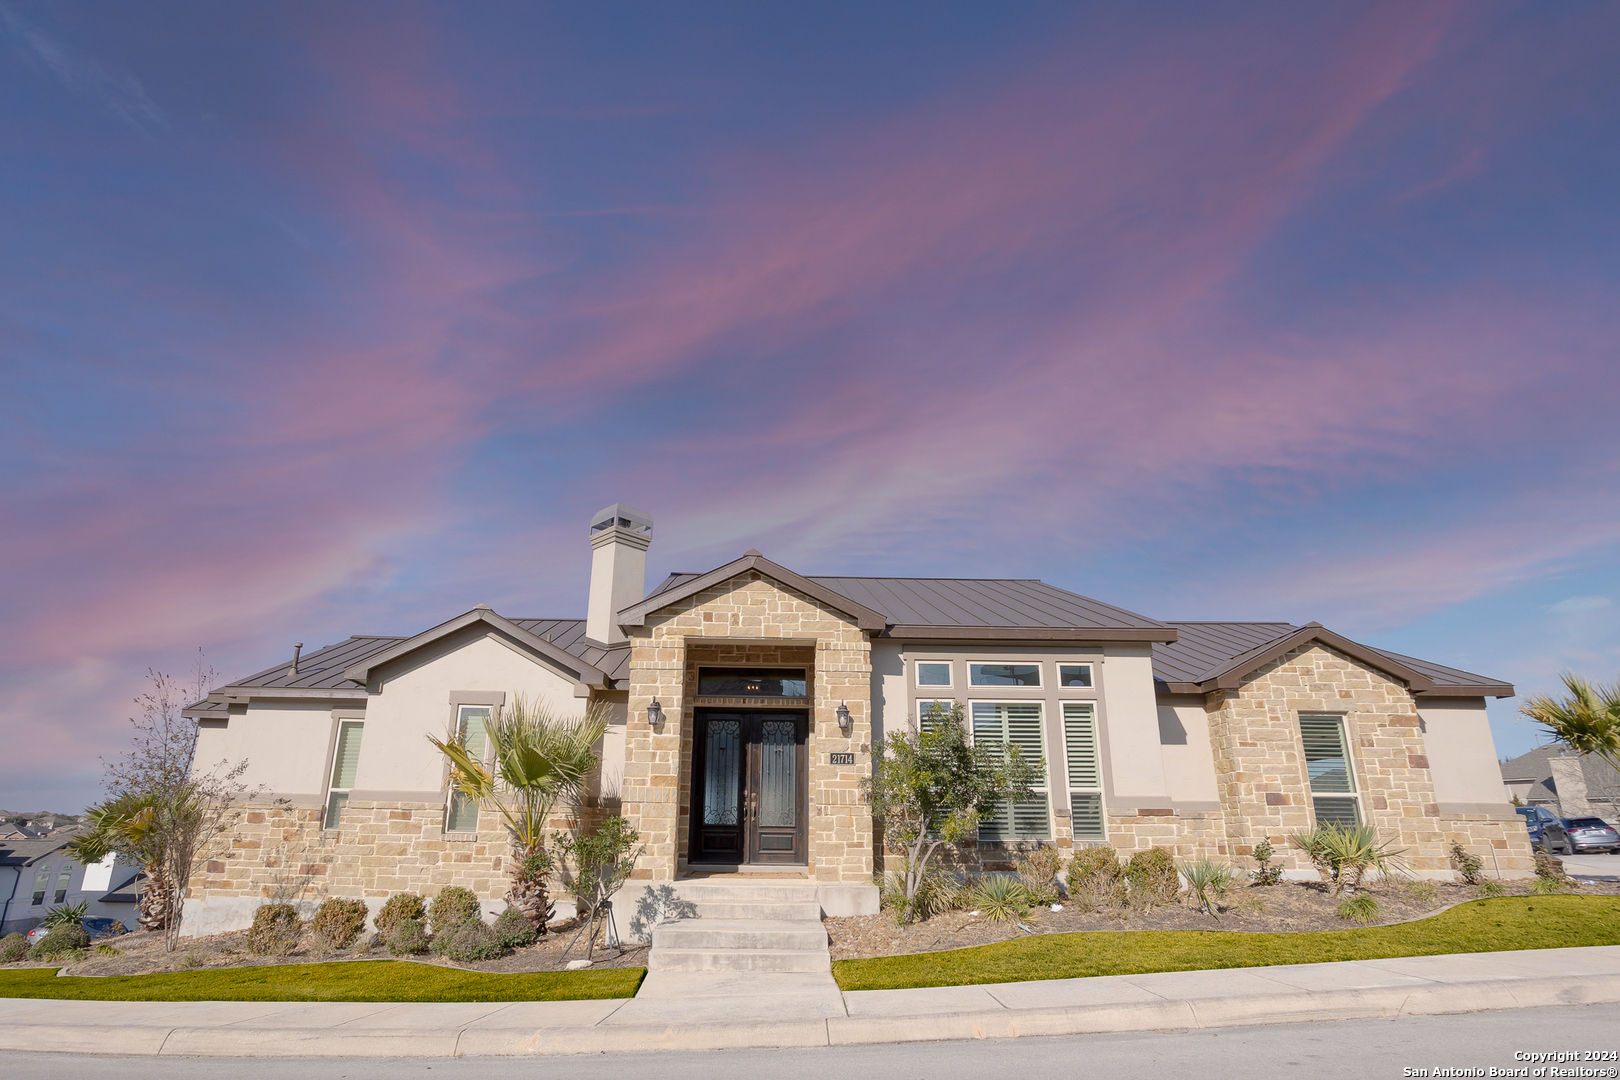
pixel 320 319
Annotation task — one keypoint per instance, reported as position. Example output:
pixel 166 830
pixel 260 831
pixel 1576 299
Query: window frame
pixel 42 886
pixel 451 793
pixel 1044 789
pixel 1091 674
pixel 1040 674
pixel 1346 744
pixel 1090 707
pixel 64 879
pixel 916 675
pixel 328 822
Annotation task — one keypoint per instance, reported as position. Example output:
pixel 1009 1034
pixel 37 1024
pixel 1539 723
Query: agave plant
pixel 1001 897
pixel 1343 854
pixel 1208 881
pixel 536 761
pixel 66 915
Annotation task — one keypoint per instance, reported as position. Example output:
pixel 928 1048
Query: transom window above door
pixel 753 682
pixel 1004 675
pixel 933 673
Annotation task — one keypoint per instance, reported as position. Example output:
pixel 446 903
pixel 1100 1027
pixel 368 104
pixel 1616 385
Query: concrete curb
pixel 471 1040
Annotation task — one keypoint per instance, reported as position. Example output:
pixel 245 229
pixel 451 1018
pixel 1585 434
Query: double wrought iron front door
pixel 749 781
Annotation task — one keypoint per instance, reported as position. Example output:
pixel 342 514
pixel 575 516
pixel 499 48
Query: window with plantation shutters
pixel 472 725
pixel 345 762
pixel 1015 724
pixel 1327 765
pixel 1085 769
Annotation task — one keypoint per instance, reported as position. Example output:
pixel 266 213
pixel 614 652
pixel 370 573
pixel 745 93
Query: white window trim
pixel 1090 667
pixel 450 789
pixel 1102 796
pixel 1354 794
pixel 950 675
pixel 1044 788
pixel 1039 666
pixel 331 773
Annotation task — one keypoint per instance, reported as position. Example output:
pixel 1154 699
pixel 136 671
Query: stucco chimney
pixel 620 535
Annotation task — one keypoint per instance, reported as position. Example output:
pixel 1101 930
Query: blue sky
pixel 325 319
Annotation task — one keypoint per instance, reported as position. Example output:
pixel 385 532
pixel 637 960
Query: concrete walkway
pixel 724 1010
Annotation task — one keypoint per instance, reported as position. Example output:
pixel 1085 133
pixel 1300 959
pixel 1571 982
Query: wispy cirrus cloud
pixel 115 89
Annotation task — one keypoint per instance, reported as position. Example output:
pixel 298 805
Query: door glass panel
pixel 778 774
pixel 721 770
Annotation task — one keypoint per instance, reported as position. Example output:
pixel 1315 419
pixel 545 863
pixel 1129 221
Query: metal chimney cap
pixel 624 517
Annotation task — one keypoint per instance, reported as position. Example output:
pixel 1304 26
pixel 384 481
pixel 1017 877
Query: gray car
pixel 1589 834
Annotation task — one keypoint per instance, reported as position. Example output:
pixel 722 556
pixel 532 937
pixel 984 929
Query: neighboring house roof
pixel 127 893
pixel 1214 655
pixel 26 852
pixel 1535 768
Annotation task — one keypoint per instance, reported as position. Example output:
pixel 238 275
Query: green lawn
pixel 372 980
pixel 1518 922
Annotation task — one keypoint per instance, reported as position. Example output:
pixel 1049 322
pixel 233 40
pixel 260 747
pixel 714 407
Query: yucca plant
pixel 1001 897
pixel 537 760
pixel 1208 881
pixel 1343 854
pixel 66 915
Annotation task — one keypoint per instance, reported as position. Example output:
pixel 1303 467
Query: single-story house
pixel 745 702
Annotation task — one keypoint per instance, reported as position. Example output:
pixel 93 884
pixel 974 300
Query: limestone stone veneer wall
pixel 744 621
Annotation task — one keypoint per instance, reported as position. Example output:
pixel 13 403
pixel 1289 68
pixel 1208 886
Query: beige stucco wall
pixel 1135 757
pixel 1189 763
pixel 287 745
pixel 1462 754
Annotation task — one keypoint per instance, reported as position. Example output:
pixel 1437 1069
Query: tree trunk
pixel 154 909
pixel 528 892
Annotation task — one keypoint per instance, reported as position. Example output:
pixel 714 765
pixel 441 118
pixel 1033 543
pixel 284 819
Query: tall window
pixel 1327 763
pixel 1018 724
pixel 1085 769
pixel 345 760
pixel 62 880
pixel 472 725
pixel 42 884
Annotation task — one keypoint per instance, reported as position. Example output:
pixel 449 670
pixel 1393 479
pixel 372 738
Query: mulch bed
pixel 143 953
pixel 1284 907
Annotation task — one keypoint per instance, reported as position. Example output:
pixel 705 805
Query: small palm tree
pixel 1587 720
pixel 537 760
pixel 1343 854
pixel 130 824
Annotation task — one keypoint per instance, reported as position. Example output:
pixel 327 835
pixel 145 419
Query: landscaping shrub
pixel 1000 897
pixel 936 892
pixel 1095 878
pixel 472 942
pixel 338 922
pixel 62 939
pixel 1491 888
pixel 1267 872
pixel 1151 875
pixel 514 930
pixel 276 929
pixel 1344 854
pixel 400 906
pixel 1549 868
pixel 408 938
pixel 1549 885
pixel 453 907
pixel 1469 866
pixel 13 947
pixel 1421 892
pixel 1038 871
pixel 66 915
pixel 1208 881
pixel 1361 908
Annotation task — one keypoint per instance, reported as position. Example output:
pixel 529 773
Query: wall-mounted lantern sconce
pixel 843 718
pixel 655 714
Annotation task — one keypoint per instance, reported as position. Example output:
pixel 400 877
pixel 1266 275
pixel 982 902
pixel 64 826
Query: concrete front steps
pixel 732 925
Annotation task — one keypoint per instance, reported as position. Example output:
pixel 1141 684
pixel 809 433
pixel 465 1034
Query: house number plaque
pixel 841 759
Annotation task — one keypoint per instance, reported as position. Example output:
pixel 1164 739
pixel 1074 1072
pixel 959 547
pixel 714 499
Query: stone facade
pixel 748 620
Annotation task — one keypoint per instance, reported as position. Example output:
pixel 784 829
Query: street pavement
pixel 1344 1049
pixel 1592 866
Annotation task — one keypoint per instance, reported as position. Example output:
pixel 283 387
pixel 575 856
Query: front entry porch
pixel 749 789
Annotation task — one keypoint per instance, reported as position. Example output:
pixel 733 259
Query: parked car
pixel 94 925
pixel 1589 834
pixel 1546 829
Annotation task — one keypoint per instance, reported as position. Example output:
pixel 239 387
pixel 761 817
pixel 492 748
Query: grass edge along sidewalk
pixel 1504 924
pixel 367 980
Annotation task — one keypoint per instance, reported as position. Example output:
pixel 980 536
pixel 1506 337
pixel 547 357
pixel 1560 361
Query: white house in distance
pixel 745 701
pixel 37 874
